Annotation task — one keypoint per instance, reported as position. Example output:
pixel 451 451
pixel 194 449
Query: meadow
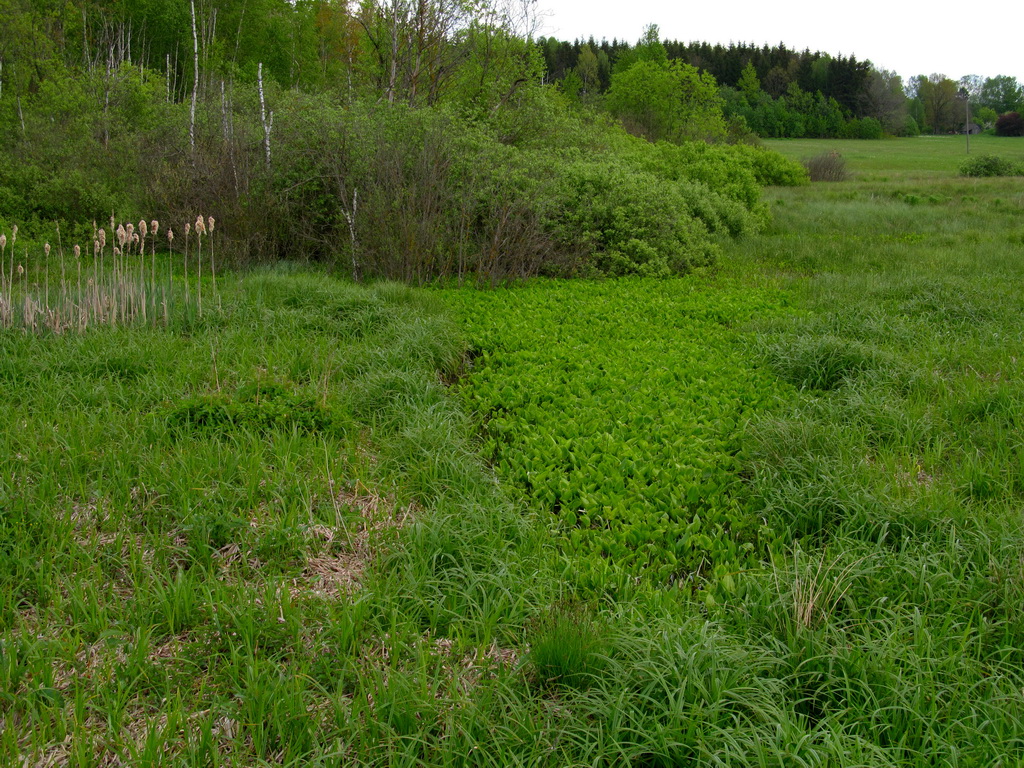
pixel 920 158
pixel 766 514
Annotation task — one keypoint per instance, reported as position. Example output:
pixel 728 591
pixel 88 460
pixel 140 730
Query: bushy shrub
pixel 828 166
pixel 532 186
pixel 620 221
pixel 1010 124
pixel 35 197
pixel 863 128
pixel 717 181
pixel 989 165
pixel 770 168
pixel 440 196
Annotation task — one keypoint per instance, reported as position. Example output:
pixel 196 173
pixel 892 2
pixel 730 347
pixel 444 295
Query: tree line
pixel 411 139
pixel 778 92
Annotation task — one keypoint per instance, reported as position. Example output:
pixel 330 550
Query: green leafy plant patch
pixel 618 407
pixel 259 406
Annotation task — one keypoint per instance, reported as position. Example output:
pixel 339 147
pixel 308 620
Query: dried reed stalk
pixel 121 289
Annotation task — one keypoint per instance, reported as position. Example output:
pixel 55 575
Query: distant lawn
pixel 922 157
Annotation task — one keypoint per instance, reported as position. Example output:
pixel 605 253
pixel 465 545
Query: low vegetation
pixel 828 166
pixel 48 290
pixel 642 479
pixel 990 165
pixel 269 535
pixel 745 492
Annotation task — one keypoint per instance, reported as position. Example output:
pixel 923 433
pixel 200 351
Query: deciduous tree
pixel 940 101
pixel 670 101
pixel 884 100
pixel 1002 94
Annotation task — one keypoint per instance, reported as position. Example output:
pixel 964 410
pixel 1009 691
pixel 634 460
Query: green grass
pixel 271 536
pixel 922 158
pixel 209 533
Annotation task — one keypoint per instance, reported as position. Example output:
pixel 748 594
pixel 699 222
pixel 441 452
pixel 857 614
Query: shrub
pixel 863 128
pixel 828 166
pixel 1010 124
pixel 620 221
pixel 412 194
pixel 989 165
pixel 440 196
pixel 721 169
pixel 772 169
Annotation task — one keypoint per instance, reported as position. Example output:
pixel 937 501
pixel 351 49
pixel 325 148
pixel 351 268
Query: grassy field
pixel 768 515
pixel 924 158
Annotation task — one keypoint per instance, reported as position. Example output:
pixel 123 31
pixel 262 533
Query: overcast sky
pixel 953 39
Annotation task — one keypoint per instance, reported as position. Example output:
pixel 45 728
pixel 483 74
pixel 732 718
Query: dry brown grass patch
pixel 341 554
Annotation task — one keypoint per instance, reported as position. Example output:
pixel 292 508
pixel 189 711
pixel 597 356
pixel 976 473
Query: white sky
pixel 954 39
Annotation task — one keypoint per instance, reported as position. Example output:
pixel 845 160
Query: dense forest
pixel 777 92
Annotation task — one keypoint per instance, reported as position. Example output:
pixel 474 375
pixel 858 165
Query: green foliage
pixel 441 196
pixel 259 407
pixel 567 650
pixel 986 116
pixel 725 171
pixel 626 222
pixel 821 363
pixel 863 128
pixel 648 48
pixel 775 69
pixel 1002 94
pixel 442 158
pixel 667 101
pixel 749 84
pixel 990 165
pixel 34 197
pixel 256 596
pixel 772 169
pixel 792 115
pixel 641 480
pixel 494 69
pixel 941 110
pixel 73 147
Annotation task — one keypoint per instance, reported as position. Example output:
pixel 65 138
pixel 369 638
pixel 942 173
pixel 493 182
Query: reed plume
pixel 121 292
pixel 200 231
pixel 188 229
pixel 210 221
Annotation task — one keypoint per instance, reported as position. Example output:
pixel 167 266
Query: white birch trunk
pixel 195 82
pixel 268 124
